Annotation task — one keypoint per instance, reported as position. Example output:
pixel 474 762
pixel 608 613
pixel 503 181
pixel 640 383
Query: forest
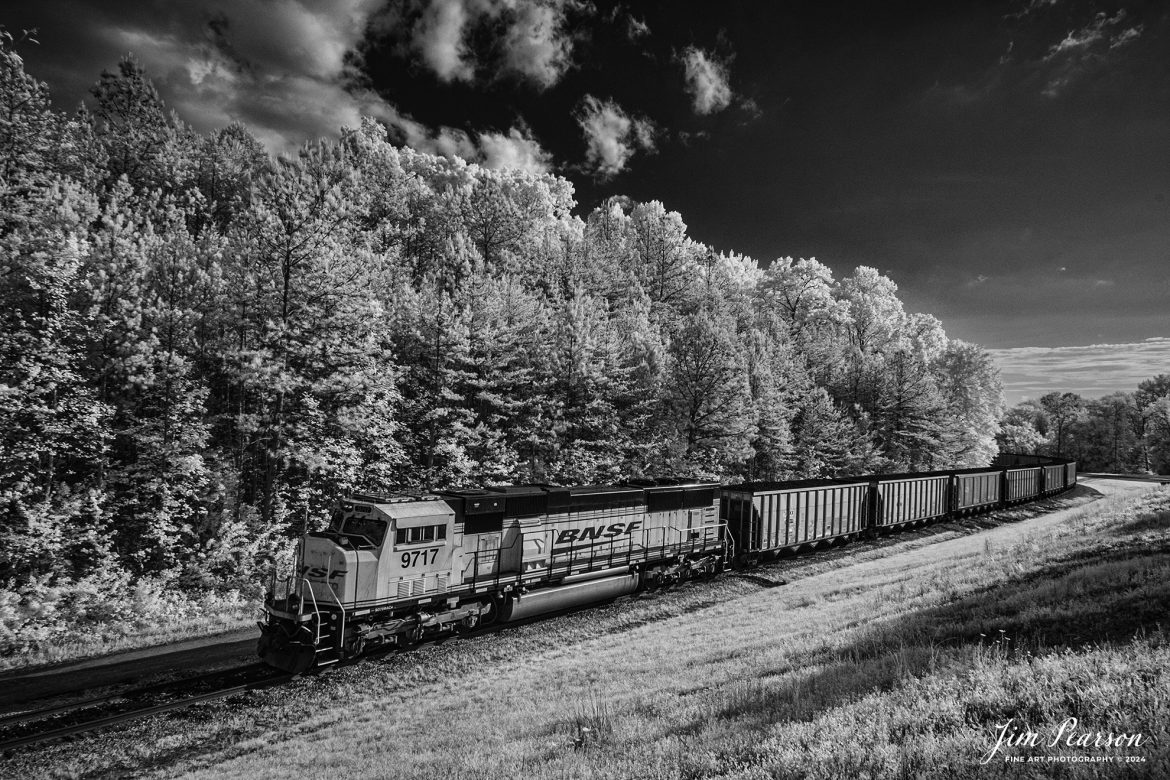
pixel 204 345
pixel 1121 433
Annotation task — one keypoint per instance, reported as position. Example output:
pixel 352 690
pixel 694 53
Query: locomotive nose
pixel 326 566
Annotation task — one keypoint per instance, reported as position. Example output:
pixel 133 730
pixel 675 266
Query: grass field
pixel 900 662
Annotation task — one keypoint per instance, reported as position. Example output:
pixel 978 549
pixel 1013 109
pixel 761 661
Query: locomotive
pixel 394 569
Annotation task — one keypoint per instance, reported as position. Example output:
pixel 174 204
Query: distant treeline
pixel 1122 433
pixel 202 346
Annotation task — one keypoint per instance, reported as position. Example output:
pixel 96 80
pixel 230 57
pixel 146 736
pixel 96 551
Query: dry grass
pixel 889 666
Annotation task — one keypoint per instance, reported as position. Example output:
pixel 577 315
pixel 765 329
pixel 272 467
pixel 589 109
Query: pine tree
pixel 143 141
pixel 772 371
pixel 52 428
pixel 709 396
pixel 505 373
pixel 823 439
pixel 431 341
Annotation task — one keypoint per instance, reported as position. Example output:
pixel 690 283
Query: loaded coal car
pixel 766 518
pixel 1028 477
pixel 976 490
pixel 393 568
pixel 903 500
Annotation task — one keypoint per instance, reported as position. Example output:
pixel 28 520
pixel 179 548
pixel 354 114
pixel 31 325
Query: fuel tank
pixel 545 600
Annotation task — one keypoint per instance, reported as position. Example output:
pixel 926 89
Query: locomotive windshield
pixel 368 528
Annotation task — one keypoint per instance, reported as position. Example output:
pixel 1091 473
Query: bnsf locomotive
pixel 393 569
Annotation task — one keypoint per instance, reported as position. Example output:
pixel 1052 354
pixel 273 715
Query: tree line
pixel 1121 433
pixel 203 345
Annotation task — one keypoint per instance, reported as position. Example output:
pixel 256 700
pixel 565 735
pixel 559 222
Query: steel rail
pixel 142 712
pixel 32 716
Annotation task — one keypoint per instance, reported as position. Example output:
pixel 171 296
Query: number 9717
pixel 419 557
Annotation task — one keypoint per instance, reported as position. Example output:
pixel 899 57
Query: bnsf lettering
pixel 576 535
pixel 320 573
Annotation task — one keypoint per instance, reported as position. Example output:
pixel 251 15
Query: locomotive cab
pixel 340 563
pixel 381 548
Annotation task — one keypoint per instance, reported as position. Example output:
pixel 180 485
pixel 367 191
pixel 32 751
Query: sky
pixel 1006 163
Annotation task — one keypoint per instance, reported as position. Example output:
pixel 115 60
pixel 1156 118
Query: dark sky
pixel 1007 163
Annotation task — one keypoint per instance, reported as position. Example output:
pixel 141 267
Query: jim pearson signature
pixel 1067 734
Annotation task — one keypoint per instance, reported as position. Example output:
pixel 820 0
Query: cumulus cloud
pixel 515 149
pixel 636 28
pixel 438 37
pixel 1092 371
pixel 536 46
pixel 465 40
pixel 287 69
pixel 707 81
pixel 611 135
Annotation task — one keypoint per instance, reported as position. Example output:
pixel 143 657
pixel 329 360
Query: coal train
pixel 394 569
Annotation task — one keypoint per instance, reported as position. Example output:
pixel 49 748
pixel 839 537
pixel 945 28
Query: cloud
pixel 1126 36
pixel 751 107
pixel 464 40
pixel 1094 32
pixel 611 135
pixel 1032 6
pixel 706 81
pixel 536 46
pixel 1053 45
pixel 438 37
pixel 287 69
pixel 1091 371
pixel 1086 48
pixel 636 28
pixel 516 149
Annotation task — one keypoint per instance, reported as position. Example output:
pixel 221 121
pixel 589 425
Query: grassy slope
pixel 892 668
pixel 896 664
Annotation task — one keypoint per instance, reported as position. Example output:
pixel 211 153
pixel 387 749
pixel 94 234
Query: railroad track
pixel 28 728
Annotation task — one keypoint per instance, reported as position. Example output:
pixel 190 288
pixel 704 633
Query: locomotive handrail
pixel 316 611
pixel 341 629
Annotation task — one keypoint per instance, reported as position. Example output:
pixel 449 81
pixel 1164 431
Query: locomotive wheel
pixel 492 614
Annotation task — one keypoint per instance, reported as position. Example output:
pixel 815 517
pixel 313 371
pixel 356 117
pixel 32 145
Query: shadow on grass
pixel 1094 598
pixel 1158 521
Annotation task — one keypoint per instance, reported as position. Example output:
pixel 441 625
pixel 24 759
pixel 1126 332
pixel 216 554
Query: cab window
pixel 371 528
pixel 420 534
